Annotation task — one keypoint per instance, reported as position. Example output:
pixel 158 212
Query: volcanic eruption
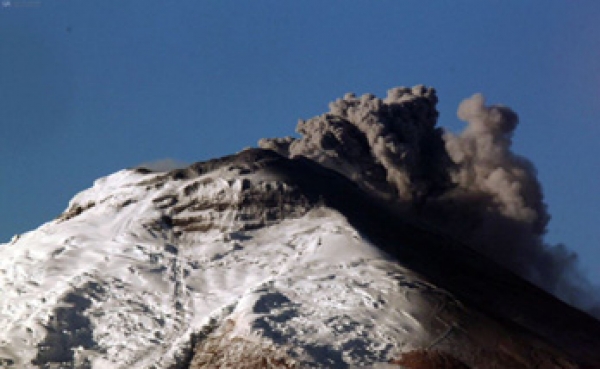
pixel 375 239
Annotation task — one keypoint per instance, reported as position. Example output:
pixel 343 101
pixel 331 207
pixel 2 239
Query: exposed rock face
pixel 218 350
pixel 212 203
pixel 425 359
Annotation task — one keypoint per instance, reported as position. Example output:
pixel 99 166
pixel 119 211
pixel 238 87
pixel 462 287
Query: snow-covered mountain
pixel 261 260
pixel 255 257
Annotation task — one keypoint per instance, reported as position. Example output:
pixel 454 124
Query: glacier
pixel 256 260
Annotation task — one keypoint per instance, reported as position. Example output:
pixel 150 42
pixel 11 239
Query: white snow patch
pixel 313 284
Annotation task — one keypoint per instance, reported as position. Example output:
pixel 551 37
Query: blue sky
pixel 91 87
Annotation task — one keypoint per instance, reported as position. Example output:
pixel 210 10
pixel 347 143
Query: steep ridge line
pixel 447 263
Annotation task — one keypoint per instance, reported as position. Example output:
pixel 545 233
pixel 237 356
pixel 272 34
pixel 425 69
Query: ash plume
pixel 469 185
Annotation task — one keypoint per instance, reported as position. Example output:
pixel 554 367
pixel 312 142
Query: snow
pixel 107 288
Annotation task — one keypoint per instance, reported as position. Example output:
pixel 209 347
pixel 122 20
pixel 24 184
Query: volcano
pixel 321 252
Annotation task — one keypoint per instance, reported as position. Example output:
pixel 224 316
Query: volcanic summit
pixel 375 239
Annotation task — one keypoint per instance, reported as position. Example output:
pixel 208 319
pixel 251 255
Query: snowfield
pixel 106 291
pixel 155 270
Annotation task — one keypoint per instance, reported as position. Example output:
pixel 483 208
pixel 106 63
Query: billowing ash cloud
pixel 469 185
pixel 391 145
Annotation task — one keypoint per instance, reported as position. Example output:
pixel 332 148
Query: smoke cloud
pixel 470 185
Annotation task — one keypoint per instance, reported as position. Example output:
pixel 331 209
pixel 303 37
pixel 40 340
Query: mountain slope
pixel 255 256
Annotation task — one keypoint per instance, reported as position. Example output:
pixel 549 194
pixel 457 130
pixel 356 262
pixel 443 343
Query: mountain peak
pixel 278 258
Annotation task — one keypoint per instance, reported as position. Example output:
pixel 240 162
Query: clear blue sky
pixel 90 87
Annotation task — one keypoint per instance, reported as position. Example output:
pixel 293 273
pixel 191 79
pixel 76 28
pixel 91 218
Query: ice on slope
pixel 111 284
pixel 127 293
